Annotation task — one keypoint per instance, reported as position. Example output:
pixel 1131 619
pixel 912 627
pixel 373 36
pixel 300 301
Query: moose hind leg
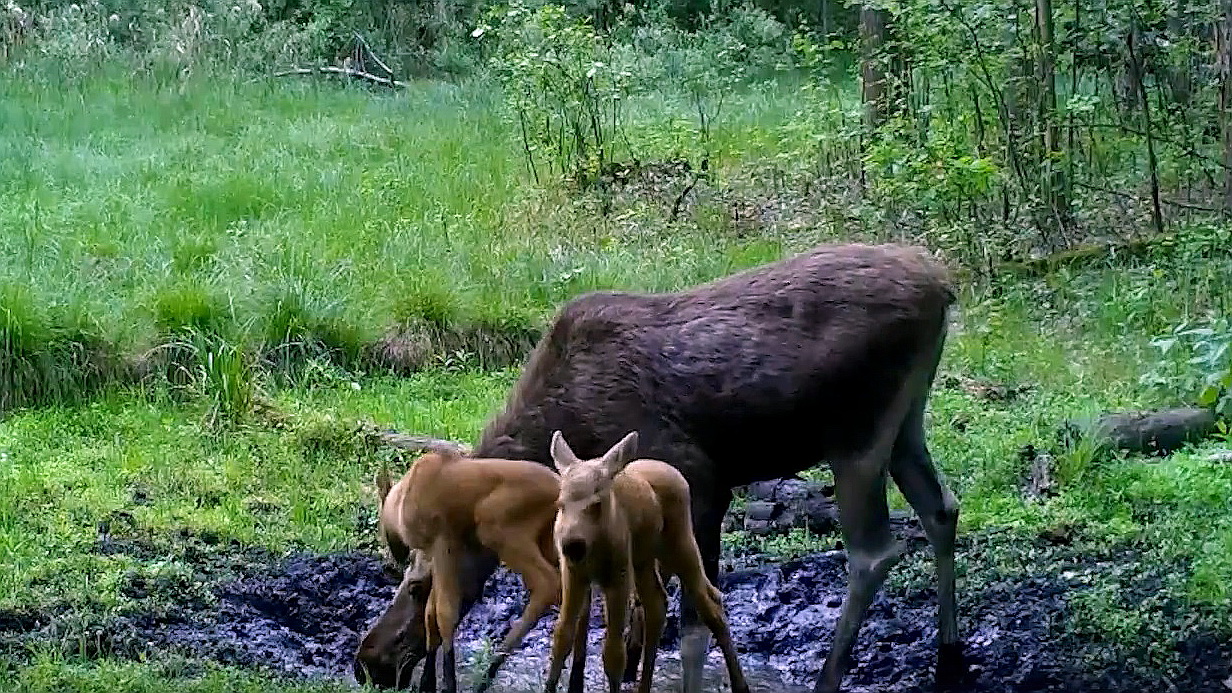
pixel 916 476
pixel 864 517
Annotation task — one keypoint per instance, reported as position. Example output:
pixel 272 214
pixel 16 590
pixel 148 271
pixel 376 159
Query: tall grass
pixel 320 218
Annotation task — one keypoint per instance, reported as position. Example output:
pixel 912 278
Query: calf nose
pixel 574 550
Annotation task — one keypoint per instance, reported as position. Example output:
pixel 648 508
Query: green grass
pixel 283 212
pixel 235 227
pixel 54 673
pixel 146 468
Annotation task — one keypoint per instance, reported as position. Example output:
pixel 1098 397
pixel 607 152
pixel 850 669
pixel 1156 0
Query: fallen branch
pixel 363 51
pixel 403 441
pixel 1073 257
pixel 358 74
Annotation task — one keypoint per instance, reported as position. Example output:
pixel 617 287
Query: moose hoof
pixel 951 664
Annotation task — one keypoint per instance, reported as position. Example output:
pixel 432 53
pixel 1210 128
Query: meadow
pixel 325 254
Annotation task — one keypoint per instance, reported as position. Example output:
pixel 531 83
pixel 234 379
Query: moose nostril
pixel 574 549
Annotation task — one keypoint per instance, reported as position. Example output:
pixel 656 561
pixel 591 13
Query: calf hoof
pixel 951 665
pixel 633 657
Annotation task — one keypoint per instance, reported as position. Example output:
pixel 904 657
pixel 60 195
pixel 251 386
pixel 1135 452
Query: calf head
pixel 397 641
pixel 585 487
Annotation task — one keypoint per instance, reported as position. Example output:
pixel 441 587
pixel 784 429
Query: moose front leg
pixel 708 511
pixel 864 519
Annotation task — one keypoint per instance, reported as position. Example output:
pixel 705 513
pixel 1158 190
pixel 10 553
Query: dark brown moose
pixel 828 355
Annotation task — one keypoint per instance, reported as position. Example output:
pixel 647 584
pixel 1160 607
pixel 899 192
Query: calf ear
pixel 620 454
pixel 383 484
pixel 562 454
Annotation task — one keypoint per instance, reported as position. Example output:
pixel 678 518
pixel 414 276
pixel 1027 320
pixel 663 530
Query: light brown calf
pixel 433 517
pixel 619 524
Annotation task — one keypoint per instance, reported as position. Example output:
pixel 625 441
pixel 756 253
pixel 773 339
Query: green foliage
pixel 1195 361
pixel 565 87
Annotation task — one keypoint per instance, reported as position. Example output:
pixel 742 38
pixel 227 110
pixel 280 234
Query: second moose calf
pixel 619 523
pixel 445 502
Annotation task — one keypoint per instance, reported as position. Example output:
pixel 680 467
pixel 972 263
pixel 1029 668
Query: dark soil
pixel 305 615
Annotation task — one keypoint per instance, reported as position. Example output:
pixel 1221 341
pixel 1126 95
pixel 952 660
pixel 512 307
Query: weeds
pixel 1195 361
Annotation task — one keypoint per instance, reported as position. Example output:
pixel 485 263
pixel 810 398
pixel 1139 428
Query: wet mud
pixel 304 617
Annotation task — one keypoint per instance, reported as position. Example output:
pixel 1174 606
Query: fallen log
pixel 1159 432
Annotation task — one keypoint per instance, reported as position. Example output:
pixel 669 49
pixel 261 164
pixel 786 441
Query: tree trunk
pixel 1135 59
pixel 873 23
pixel 1053 183
pixel 1223 40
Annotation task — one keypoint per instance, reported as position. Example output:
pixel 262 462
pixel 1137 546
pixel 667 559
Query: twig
pixel 359 74
pixel 1185 148
pixel 1128 196
pixel 683 194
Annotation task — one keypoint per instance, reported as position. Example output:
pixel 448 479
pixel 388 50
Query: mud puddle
pixel 304 617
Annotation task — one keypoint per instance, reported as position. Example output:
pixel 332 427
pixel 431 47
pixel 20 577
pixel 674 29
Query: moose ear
pixel 562 454
pixel 620 454
pixel 383 485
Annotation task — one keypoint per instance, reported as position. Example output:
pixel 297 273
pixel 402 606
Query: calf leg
pixel 709 505
pixel 653 600
pixel 634 641
pixel 427 678
pixel 709 603
pixel 576 589
pixel 577 670
pixel 616 615
pixel 445 599
pixel 913 471
pixel 542 584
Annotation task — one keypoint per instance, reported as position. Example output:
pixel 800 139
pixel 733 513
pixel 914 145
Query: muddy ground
pixel 303 616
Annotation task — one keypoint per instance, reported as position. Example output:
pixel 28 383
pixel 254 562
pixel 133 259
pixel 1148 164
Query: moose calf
pixel 437 510
pixel 620 523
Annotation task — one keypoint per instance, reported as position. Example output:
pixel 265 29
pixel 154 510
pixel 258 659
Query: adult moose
pixel 828 355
